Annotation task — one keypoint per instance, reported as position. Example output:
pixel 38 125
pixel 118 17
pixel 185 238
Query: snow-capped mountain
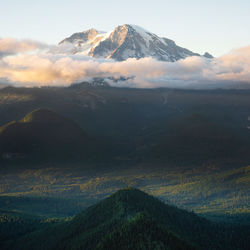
pixel 125 41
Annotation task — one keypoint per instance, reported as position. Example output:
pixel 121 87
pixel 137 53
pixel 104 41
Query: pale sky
pixel 216 26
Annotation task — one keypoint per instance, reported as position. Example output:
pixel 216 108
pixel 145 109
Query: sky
pixel 29 31
pixel 214 26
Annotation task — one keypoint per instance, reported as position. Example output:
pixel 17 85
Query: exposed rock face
pixel 126 41
pixel 207 55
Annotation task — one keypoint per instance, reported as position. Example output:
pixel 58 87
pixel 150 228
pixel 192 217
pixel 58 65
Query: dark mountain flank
pixel 140 125
pixel 40 133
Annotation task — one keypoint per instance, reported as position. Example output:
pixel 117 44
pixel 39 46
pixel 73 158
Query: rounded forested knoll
pixel 42 133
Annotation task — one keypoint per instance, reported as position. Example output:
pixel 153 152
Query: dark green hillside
pixel 45 136
pixel 41 132
pixel 196 139
pixel 14 225
pixel 132 218
pixel 39 127
pixel 180 126
pixel 188 147
pixel 142 232
pixel 42 206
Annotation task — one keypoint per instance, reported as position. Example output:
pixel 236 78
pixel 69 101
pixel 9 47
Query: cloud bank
pixel 31 63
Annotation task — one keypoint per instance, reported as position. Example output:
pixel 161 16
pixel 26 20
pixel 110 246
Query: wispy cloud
pixel 26 63
pixel 10 46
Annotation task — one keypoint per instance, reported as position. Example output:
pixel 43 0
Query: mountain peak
pixel 82 37
pixel 131 27
pixel 125 41
pixel 136 28
pixel 207 55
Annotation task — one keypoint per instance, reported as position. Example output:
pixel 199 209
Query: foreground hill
pixel 131 219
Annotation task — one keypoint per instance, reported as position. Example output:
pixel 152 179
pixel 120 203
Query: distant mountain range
pixel 125 41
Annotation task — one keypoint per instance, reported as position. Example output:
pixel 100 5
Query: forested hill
pixel 132 219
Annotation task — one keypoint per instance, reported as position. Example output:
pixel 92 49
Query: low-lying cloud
pixel 25 63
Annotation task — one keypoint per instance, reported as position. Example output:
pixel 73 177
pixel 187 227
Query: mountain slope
pixel 195 137
pixel 154 236
pixel 138 120
pixel 131 219
pixel 41 132
pixel 14 225
pixel 125 41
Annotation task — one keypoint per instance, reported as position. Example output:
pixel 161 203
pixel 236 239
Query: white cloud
pixel 20 66
pixel 9 46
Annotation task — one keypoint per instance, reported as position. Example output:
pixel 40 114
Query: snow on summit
pixel 125 41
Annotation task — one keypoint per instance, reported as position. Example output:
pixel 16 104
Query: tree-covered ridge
pixel 133 217
pixel 14 225
pixel 142 232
